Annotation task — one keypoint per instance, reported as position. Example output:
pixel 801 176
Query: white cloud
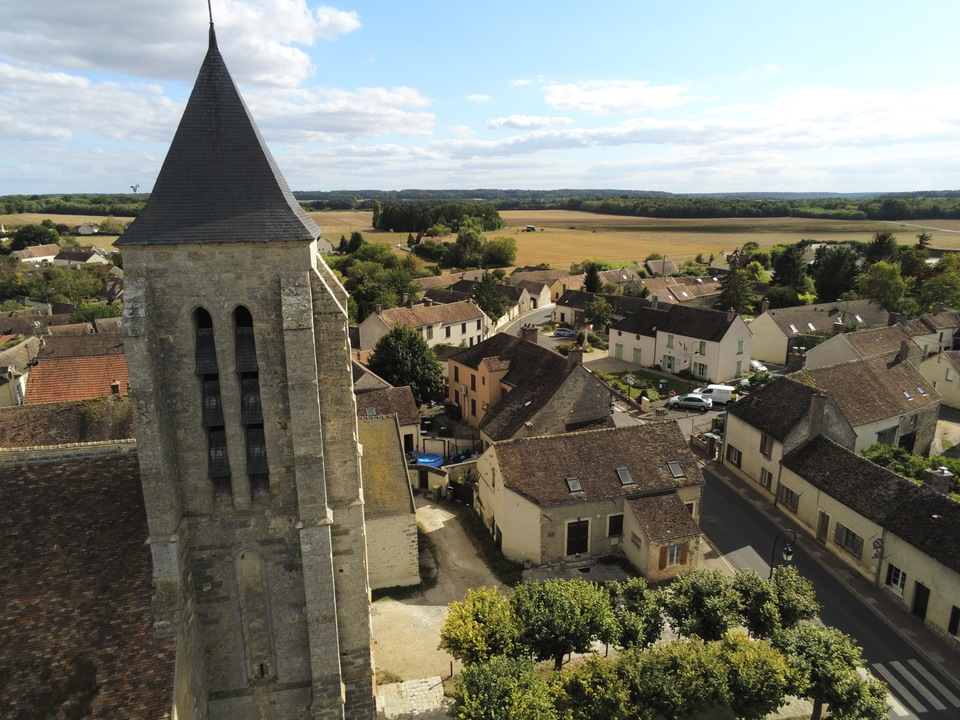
pixel 479 98
pixel 527 122
pixel 603 97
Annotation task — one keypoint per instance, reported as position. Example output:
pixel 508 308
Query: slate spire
pixel 219 183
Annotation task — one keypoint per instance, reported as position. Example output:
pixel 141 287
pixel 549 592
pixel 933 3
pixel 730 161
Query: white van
pixel 720 394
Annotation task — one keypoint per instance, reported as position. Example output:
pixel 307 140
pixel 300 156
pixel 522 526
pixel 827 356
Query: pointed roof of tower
pixel 219 183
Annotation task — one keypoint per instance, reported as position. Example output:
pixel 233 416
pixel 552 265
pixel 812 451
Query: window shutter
pixel 663 557
pixel 684 549
pixel 889 573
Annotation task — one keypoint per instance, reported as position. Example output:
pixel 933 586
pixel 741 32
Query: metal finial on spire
pixel 210 11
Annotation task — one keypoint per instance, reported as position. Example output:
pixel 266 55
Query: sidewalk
pixel 938 651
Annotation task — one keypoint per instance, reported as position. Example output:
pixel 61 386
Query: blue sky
pixel 684 96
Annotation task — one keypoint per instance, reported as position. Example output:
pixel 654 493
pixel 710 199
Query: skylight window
pixel 859 319
pixel 371 411
pixel 624 475
pixel 573 484
pixel 675 469
pixel 921 391
pixel 793 328
pixel 810 325
pixel 907 395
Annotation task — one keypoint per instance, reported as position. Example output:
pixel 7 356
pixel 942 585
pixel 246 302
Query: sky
pixel 689 96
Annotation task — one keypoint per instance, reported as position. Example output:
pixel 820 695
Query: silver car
pixel 691 402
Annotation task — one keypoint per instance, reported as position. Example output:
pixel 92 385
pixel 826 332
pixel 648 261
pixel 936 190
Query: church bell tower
pixel 236 339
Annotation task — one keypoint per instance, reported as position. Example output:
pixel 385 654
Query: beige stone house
pixel 461 323
pixel 389 510
pixel 942 370
pixel 569 499
pixel 511 387
pixel 42 254
pixel 893 341
pixel 710 344
pixel 779 332
pixel 899 535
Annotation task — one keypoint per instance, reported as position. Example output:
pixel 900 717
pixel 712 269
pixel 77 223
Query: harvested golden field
pixel 564 236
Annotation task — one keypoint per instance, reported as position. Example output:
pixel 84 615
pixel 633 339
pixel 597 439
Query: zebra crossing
pixel 913 689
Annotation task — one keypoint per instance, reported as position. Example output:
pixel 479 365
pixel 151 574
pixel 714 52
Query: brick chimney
pixel 904 351
pixel 655 300
pixel 379 309
pixel 575 356
pixel 938 479
pixel 530 333
pixel 837 327
pixel 892 319
pixel 428 301
pixel 731 315
pixel 764 305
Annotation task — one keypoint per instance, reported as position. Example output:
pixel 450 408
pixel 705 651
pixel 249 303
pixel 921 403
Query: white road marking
pixel 892 681
pixel 909 677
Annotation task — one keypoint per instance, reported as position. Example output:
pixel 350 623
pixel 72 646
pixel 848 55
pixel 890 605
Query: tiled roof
pixel 77 584
pixel 775 408
pixel 931 523
pixel 874 389
pixel 446 296
pixel 621 304
pixel 446 280
pixel 884 341
pixel 73 329
pixel 219 183
pixel 422 315
pixel 389 401
pixel 35 251
pixel 73 421
pixel 537 467
pixel 943 320
pixel 386 487
pixel 76 378
pixel 823 315
pixel 499 345
pixel 531 286
pixel 17 356
pixel 77 254
pixel 547 277
pixel 693 322
pixel 663 517
pixel 108 326
pixel 81 345
pixel 868 489
pixel 23 322
pixel 661 267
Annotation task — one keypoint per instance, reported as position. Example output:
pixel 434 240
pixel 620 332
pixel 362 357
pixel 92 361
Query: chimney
pixel 530 333
pixel 428 301
pixel 575 356
pixel 818 404
pixel 938 480
pixel 764 305
pixel 937 309
pixel 655 301
pixel 731 315
pixel 406 299
pixel 892 319
pixel 379 309
pixel 837 327
pixel 904 352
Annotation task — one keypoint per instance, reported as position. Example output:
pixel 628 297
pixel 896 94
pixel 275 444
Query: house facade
pixel 460 323
pixel 569 499
pixel 942 371
pixel 710 344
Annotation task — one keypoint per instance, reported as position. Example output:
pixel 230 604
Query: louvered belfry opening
pixel 251 414
pixel 218 462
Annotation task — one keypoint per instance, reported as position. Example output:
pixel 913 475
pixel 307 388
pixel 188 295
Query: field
pixel 564 237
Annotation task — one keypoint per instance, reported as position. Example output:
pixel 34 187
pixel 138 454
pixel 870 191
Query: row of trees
pixel 119 205
pixel 712 664
pixel 419 217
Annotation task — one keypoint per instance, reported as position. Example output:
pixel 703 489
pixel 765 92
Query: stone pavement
pixel 413 700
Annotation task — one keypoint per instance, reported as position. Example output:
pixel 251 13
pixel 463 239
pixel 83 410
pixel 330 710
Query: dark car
pixel 691 402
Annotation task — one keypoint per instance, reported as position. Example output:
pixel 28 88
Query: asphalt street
pixel 749 539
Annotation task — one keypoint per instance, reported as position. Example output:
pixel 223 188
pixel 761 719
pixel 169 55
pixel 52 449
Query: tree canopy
pixel 402 357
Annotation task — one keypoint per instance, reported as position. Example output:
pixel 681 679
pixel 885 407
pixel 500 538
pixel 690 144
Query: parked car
pixel 720 394
pixel 693 401
pixel 563 332
pixel 757 366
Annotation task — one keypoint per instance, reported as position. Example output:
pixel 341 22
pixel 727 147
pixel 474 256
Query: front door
pixel 921 596
pixel 577 535
pixel 618 351
pixel 823 525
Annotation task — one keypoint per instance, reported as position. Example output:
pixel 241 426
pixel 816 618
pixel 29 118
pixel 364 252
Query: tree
pixel 598 312
pixel 768 605
pixel 86 312
pixel 883 282
pixel 487 294
pixel 757 676
pixel 591 690
pixel 779 297
pixel 735 290
pixel 503 689
pixel 480 627
pixel 790 270
pixel 755 273
pixel 827 661
pixel 677 680
pixel 943 288
pixel 499 252
pixel 402 357
pixel 636 610
pixel 111 226
pixel 32 235
pixel 835 272
pixel 356 240
pixel 882 247
pixel 377 210
pixel 702 603
pixel 592 281
pixel 924 239
pixel 557 617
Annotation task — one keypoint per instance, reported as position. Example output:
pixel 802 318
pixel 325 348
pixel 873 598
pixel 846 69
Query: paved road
pixel 746 537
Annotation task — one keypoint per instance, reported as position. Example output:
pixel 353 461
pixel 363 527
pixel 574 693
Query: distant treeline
pixel 420 216
pixel 854 206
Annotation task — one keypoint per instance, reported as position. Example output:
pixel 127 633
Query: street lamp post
pixel 787 548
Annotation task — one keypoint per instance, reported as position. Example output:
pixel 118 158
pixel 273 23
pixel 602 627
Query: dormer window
pixel 625 477
pixel 573 485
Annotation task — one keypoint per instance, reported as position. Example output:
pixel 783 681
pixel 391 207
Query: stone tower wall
pixel 267 593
